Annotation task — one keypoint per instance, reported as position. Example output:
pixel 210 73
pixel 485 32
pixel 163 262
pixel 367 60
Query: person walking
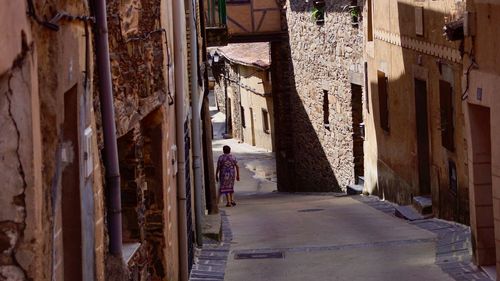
pixel 227 170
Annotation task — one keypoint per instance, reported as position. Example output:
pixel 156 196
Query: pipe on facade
pixel 196 126
pixel 180 69
pixel 109 130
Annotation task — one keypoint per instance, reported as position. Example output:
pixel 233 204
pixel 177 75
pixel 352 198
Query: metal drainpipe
pixel 225 97
pixel 180 59
pixel 196 126
pixel 109 130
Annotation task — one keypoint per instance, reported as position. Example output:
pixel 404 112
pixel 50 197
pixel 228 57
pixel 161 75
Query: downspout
pixel 180 78
pixel 109 130
pixel 208 157
pixel 196 125
pixel 225 99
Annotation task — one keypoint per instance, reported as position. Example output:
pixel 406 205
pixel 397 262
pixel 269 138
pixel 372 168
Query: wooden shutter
pixel 383 100
pixel 446 108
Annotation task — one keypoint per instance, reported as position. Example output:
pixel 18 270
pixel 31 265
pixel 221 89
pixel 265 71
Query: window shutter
pixel 383 100
pixel 446 107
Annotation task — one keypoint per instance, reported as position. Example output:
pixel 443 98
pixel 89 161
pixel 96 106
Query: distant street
pixel 288 237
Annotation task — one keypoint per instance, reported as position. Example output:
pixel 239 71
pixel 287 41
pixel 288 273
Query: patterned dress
pixel 227 172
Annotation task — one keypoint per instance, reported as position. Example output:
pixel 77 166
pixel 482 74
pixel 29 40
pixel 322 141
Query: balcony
pixel 216 30
pixel 243 21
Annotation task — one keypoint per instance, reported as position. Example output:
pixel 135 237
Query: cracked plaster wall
pixel 37 67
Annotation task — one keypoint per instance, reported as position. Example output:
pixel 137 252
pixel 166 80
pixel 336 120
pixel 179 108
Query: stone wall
pixel 319 58
pixel 137 50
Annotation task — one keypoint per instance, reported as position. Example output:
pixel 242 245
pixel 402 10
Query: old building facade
pixel 317 87
pixel 52 152
pixel 415 128
pixel 481 78
pixel 245 76
pixel 49 157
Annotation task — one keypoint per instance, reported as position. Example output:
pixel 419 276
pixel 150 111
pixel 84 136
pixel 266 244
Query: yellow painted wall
pixel 391 159
pixel 258 81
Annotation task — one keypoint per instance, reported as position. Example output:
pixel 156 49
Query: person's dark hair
pixel 226 149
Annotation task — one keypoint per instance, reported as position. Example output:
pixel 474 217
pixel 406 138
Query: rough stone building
pixel 51 223
pixel 246 74
pixel 481 104
pixel 415 130
pixel 141 47
pixel 317 87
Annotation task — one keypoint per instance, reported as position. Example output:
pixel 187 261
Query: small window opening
pixel 452 170
pixel 243 123
pixel 370 21
pixel 265 121
pixel 383 101
pixel 326 110
pixel 446 108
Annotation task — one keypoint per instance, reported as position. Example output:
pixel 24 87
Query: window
pixel 452 174
pixel 419 21
pixel 370 21
pixel 243 124
pixel 326 110
pixel 446 108
pixel 383 101
pixel 367 98
pixel 265 121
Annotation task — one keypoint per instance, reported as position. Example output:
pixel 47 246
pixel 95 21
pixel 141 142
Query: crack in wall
pixel 18 200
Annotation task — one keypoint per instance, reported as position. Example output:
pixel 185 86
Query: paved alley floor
pixel 272 236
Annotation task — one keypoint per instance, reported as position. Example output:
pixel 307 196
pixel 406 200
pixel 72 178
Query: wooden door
pixel 423 150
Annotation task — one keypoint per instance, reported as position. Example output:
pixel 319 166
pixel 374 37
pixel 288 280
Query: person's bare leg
pixel 228 200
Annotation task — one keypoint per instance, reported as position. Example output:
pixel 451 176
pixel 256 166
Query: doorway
pixel 423 150
pixel 357 128
pixel 229 117
pixel 481 195
pixel 70 183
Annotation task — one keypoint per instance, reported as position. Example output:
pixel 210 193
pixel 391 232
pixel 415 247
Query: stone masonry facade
pixel 312 73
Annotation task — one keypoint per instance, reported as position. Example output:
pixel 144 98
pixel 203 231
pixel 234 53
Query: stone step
pixel 361 180
pixel 354 189
pixel 212 227
pixel 408 212
pixel 423 204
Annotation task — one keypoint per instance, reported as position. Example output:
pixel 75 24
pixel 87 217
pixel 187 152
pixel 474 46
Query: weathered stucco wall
pixel 392 157
pixel 483 119
pixel 40 69
pixel 256 96
pixel 320 58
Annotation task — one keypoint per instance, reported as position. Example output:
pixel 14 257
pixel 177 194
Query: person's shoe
pixel 233 203
pixel 228 205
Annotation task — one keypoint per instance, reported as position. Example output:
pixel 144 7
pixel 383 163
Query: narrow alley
pixel 249 140
pixel 275 236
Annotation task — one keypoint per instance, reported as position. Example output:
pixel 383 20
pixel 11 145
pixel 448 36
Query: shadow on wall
pixel 309 155
pixel 405 103
pixel 301 162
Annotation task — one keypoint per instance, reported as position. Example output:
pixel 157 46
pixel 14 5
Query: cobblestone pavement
pixel 453 244
pixel 210 261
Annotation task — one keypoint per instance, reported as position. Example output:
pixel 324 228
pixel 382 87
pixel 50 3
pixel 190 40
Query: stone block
pixel 12 273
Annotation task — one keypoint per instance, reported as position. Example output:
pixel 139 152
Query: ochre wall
pixel 391 158
pixel 256 94
pixel 481 106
